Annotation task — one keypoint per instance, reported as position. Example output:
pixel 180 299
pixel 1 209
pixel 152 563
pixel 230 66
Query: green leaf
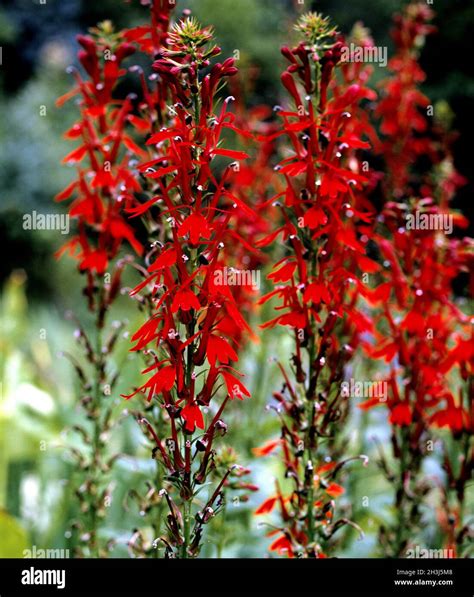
pixel 14 537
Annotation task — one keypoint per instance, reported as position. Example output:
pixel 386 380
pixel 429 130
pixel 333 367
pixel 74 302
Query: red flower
pixel 267 448
pixel 219 348
pixel 192 416
pixel 166 259
pixel 196 226
pixel 266 506
pixel 335 490
pixel 185 300
pixel 455 418
pixel 401 415
pixel 283 546
pixel 235 387
pixel 94 261
pixel 284 274
pixel 316 293
pixel 162 381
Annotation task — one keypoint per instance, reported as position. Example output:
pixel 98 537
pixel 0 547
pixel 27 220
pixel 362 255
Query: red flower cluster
pixel 210 214
pixel 101 194
pixel 422 263
pixel 402 122
pixel 325 227
pixel 418 328
pixel 101 186
pixel 195 315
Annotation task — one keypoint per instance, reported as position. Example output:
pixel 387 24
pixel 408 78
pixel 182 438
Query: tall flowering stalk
pixel 150 114
pixel 419 329
pixel 425 338
pixel 102 231
pixel 189 339
pixel 323 216
pixel 403 125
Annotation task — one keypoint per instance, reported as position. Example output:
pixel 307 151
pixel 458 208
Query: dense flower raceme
pixel 326 224
pixel 427 341
pixel 419 330
pixel 354 72
pixel 103 193
pixel 402 123
pixel 190 336
pixel 105 144
pixel 102 175
pixel 104 188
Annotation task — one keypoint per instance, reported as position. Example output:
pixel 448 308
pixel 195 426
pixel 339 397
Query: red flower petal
pixel 95 260
pixel 316 293
pixel 228 153
pixel 282 545
pixel 266 448
pixel 166 259
pixel 315 217
pixel 185 300
pixel 401 415
pixel 335 490
pixel 267 506
pixel 192 416
pixel 197 227
pixel 220 349
pixel 235 387
pixel 284 274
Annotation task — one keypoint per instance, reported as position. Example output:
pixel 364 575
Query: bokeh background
pixel 37 400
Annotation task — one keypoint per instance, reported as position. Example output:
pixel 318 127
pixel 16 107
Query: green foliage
pixel 14 538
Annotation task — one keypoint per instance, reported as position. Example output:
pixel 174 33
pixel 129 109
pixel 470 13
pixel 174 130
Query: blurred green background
pixel 38 387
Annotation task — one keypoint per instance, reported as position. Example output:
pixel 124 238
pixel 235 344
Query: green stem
pixel 310 502
pixel 310 418
pixel 96 445
pixel 159 479
pixel 157 522
pixel 187 528
pixel 400 504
